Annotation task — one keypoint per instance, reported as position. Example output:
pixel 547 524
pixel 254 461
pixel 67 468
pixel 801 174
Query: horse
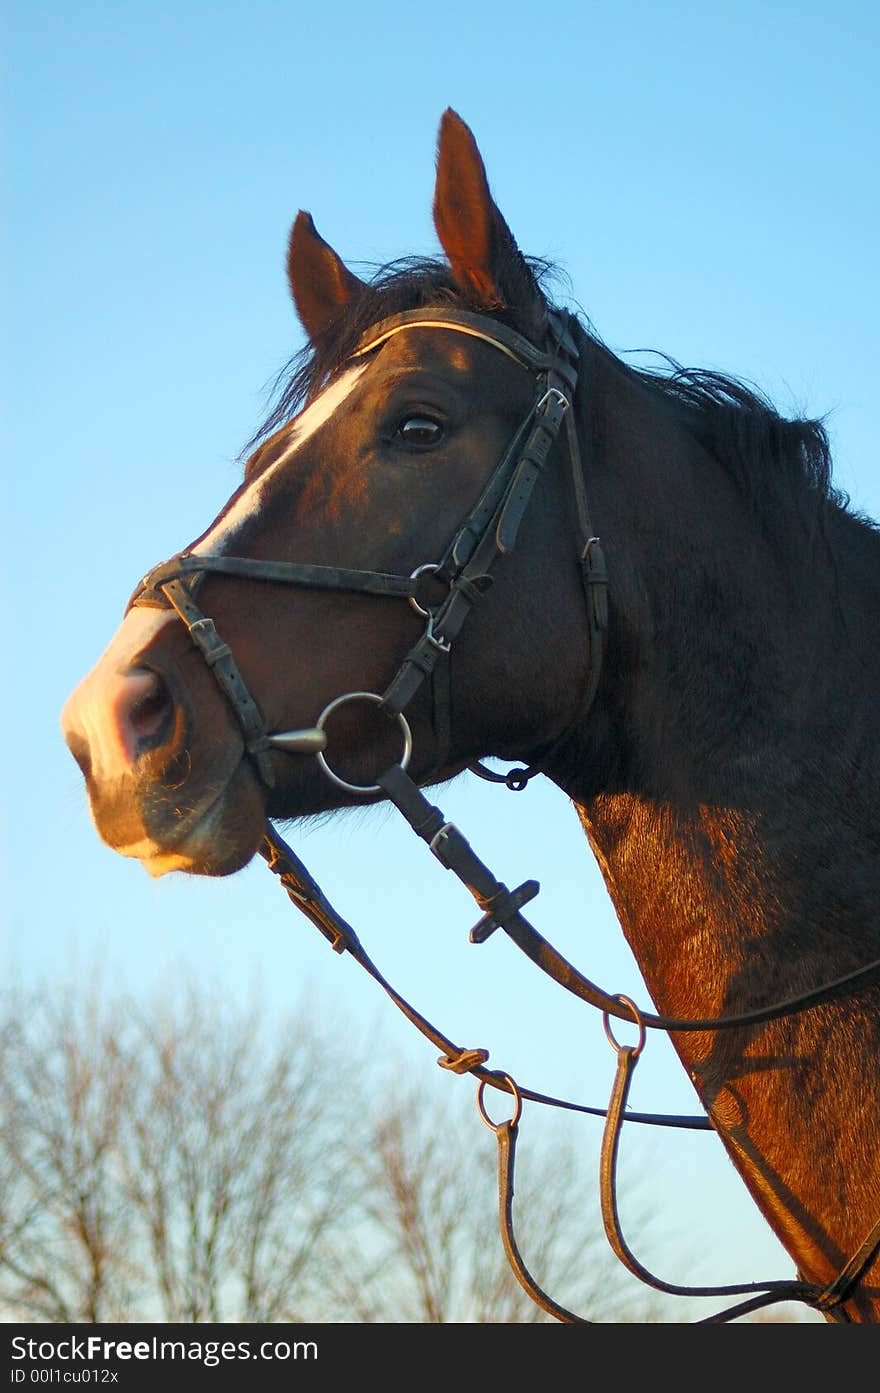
pixel 640 583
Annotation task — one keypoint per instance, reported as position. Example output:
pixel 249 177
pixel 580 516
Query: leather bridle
pixel 486 534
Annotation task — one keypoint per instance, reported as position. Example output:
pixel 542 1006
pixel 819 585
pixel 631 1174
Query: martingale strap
pixel 306 895
pixel 500 908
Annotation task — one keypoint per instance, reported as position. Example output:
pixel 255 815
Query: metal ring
pixel 637 1017
pixel 517 1111
pixel 320 723
pixel 431 566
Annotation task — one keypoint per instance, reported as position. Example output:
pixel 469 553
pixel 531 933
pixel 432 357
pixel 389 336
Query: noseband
pixel 488 532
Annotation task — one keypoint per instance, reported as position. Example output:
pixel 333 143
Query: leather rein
pixel 488 533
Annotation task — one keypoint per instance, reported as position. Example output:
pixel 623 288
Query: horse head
pixel 371 515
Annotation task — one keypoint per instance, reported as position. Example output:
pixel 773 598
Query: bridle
pixel 488 533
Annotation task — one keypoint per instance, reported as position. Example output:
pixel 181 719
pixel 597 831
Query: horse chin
pixel 222 842
pixel 213 849
pixel 217 834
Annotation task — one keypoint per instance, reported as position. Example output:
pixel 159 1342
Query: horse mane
pixel 777 460
pixel 773 458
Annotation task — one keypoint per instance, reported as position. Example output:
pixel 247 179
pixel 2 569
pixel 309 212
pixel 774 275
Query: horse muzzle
pixel 161 779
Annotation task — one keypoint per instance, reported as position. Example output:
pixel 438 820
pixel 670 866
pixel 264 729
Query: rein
pixel 488 533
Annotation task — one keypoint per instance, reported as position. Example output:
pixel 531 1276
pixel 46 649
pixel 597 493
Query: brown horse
pixel 716 729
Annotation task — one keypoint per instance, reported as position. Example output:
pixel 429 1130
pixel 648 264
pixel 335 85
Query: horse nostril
pixel 79 748
pixel 149 712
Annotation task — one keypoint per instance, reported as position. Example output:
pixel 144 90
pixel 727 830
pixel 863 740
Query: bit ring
pixel 377 700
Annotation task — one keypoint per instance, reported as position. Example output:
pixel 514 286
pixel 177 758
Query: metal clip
pixel 443 645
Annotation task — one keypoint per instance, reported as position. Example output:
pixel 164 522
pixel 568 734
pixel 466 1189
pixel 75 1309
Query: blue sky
pixel 706 178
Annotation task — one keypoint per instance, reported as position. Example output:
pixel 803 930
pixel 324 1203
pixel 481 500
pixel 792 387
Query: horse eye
pixel 420 430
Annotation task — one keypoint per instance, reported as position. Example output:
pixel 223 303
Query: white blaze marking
pixel 248 502
pixel 93 711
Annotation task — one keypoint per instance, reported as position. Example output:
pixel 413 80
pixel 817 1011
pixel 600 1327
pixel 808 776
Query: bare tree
pixel 163 1164
pixel 191 1161
pixel 61 1219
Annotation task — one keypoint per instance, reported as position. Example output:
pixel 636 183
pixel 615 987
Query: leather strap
pixel 283 572
pixel 506 1135
pixel 219 658
pixel 306 895
pixel 627 1056
pixel 456 853
pixel 479 326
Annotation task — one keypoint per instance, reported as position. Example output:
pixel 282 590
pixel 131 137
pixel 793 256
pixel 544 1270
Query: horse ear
pixel 485 260
pixel 320 282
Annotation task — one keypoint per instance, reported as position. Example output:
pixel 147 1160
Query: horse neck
pixel 735 733
pixel 730 798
